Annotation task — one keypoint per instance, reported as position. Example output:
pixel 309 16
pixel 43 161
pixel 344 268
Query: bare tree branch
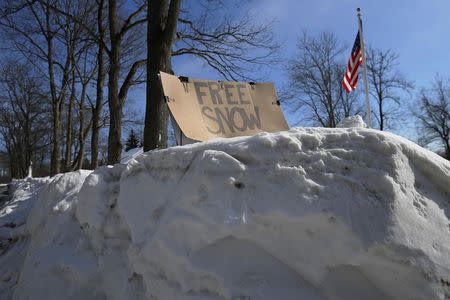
pixel 316 74
pixel 434 115
pixel 386 84
pixel 234 48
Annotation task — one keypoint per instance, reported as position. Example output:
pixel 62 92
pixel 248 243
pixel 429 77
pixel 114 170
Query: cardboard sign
pixel 206 109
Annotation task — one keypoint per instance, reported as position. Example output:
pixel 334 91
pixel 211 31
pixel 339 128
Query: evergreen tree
pixel 132 141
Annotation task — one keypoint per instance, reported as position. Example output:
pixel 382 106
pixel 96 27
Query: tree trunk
pixel 28 147
pixel 115 131
pixel 447 149
pixel 56 100
pixel 68 154
pixel 160 33
pixel 380 108
pixel 381 118
pixel 56 143
pixel 81 132
pixel 97 111
pixel 115 109
pixel 56 133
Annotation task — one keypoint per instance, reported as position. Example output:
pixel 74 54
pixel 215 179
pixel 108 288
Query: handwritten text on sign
pixel 207 109
pixel 228 107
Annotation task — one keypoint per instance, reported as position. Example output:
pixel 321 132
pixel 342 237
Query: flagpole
pixel 363 49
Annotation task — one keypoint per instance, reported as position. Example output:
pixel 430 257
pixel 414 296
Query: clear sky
pixel 418 30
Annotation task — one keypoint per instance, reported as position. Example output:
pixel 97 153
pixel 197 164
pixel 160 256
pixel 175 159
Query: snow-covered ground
pixel 312 213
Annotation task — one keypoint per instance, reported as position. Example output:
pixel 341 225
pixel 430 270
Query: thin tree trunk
pixel 115 130
pixel 447 149
pixel 55 159
pixel 68 154
pixel 96 114
pixel 28 148
pixel 56 134
pixel 81 132
pixel 115 119
pixel 380 107
pixel 56 100
pixel 97 111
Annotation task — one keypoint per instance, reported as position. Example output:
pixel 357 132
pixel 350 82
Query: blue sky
pixel 418 30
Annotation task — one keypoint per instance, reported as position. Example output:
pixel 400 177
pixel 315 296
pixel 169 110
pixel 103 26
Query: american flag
pixel 351 74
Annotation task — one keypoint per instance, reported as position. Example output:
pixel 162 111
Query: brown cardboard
pixel 207 109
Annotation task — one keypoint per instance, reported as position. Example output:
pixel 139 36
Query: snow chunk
pixel 353 121
pixel 127 156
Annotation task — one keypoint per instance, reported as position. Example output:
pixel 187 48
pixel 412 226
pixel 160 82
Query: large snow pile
pixel 347 213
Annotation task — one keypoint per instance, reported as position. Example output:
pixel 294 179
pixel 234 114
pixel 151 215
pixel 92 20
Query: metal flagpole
pixel 363 49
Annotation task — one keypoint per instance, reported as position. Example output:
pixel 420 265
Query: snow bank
pixel 306 214
pixel 14 241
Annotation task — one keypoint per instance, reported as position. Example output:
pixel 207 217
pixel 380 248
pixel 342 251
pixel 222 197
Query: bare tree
pixel 316 74
pixel 47 40
pixel 122 42
pixel 94 32
pixel 386 84
pixel 78 45
pixel 85 70
pixel 234 47
pixel 24 116
pixel 434 115
pixel 120 33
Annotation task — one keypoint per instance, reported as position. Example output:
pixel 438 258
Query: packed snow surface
pixel 131 154
pixel 349 213
pixel 354 121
